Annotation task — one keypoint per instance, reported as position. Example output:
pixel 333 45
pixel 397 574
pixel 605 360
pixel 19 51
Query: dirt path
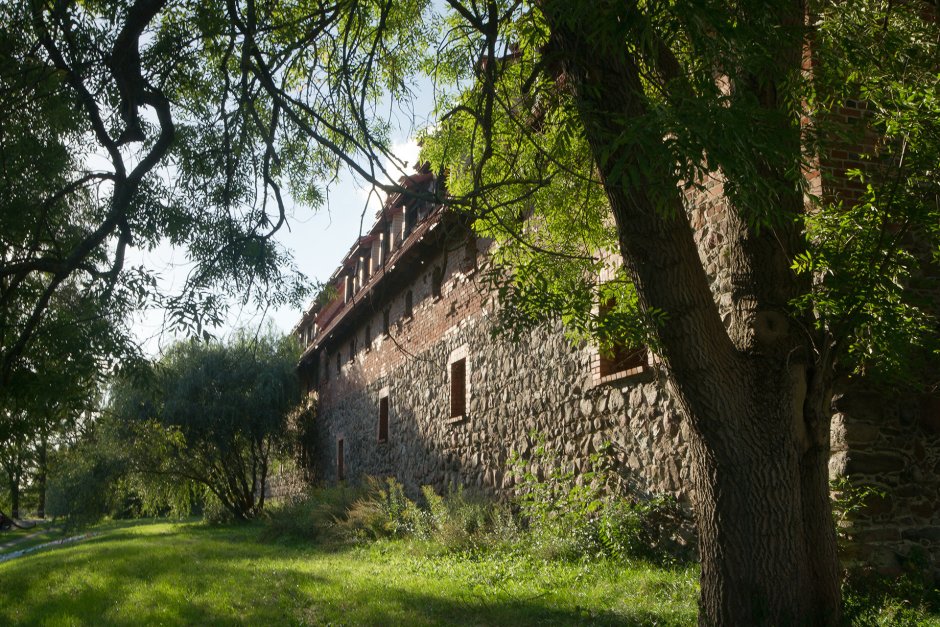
pixel 6 557
pixel 19 539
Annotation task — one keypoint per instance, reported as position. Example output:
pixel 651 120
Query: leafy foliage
pixel 572 514
pixel 875 256
pixel 248 108
pixel 94 474
pixel 214 415
pixel 872 600
pixel 514 145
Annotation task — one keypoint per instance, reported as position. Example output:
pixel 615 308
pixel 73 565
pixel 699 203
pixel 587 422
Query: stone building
pixel 410 382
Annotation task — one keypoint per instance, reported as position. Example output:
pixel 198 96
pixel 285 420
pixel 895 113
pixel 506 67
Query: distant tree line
pixel 199 430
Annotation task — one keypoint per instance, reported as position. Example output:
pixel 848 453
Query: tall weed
pixel 572 515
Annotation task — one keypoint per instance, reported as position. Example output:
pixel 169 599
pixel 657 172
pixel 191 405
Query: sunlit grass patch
pixel 172 574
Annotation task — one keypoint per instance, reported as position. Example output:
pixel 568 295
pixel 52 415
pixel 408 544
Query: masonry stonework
pixel 547 387
pixel 542 387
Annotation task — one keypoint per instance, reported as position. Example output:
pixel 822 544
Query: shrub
pixel 848 499
pixel 912 598
pixel 310 516
pixel 572 515
pixel 559 516
pixel 382 509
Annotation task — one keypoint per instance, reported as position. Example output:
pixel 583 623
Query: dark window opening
pixel 339 362
pixel 386 241
pixel 411 218
pixel 326 367
pixel 437 280
pixel 352 350
pixel 458 388
pixel 368 337
pixel 349 287
pixel 619 357
pixel 340 460
pixel 622 358
pixel 408 304
pixel 383 419
pixel 424 210
pixel 385 325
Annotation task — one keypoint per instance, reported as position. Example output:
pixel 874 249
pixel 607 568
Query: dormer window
pixel 411 217
pixel 386 241
pixel 437 280
pixel 363 270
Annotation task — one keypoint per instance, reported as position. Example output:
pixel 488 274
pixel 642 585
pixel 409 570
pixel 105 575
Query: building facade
pixel 411 382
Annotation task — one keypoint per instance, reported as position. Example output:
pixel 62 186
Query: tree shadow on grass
pixel 211 576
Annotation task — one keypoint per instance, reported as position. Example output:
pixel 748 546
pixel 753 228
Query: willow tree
pixel 212 414
pixel 586 127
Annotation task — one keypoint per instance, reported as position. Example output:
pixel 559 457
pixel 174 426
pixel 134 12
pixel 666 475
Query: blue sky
pixel 317 239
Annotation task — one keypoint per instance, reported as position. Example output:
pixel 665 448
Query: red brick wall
pixel 462 299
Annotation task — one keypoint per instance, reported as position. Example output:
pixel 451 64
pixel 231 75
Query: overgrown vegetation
pixel 873 600
pixel 556 513
pixel 561 553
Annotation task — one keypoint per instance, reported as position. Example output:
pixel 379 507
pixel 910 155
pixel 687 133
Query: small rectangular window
pixel 368 337
pixel 437 280
pixel 339 362
pixel 619 358
pixel 409 304
pixel 340 460
pixel 385 325
pixel 352 350
pixel 383 419
pixel 458 388
pixel 386 240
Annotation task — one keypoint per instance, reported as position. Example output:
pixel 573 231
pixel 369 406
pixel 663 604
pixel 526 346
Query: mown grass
pixel 19 539
pixel 190 573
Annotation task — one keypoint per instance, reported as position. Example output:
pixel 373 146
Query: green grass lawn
pixel 19 539
pixel 193 574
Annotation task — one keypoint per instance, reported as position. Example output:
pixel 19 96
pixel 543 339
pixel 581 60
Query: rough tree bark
pixel 14 484
pixel 41 466
pixel 755 392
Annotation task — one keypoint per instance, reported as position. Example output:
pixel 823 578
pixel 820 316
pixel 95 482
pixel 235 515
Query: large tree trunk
pixel 765 533
pixel 14 494
pixel 754 391
pixel 41 458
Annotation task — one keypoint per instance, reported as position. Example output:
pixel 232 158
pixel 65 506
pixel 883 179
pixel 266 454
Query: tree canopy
pixel 571 131
pixel 767 173
pixel 214 415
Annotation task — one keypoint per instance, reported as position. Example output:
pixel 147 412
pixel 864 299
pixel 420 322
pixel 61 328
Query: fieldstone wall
pixel 887 448
pixel 880 439
pixel 543 385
